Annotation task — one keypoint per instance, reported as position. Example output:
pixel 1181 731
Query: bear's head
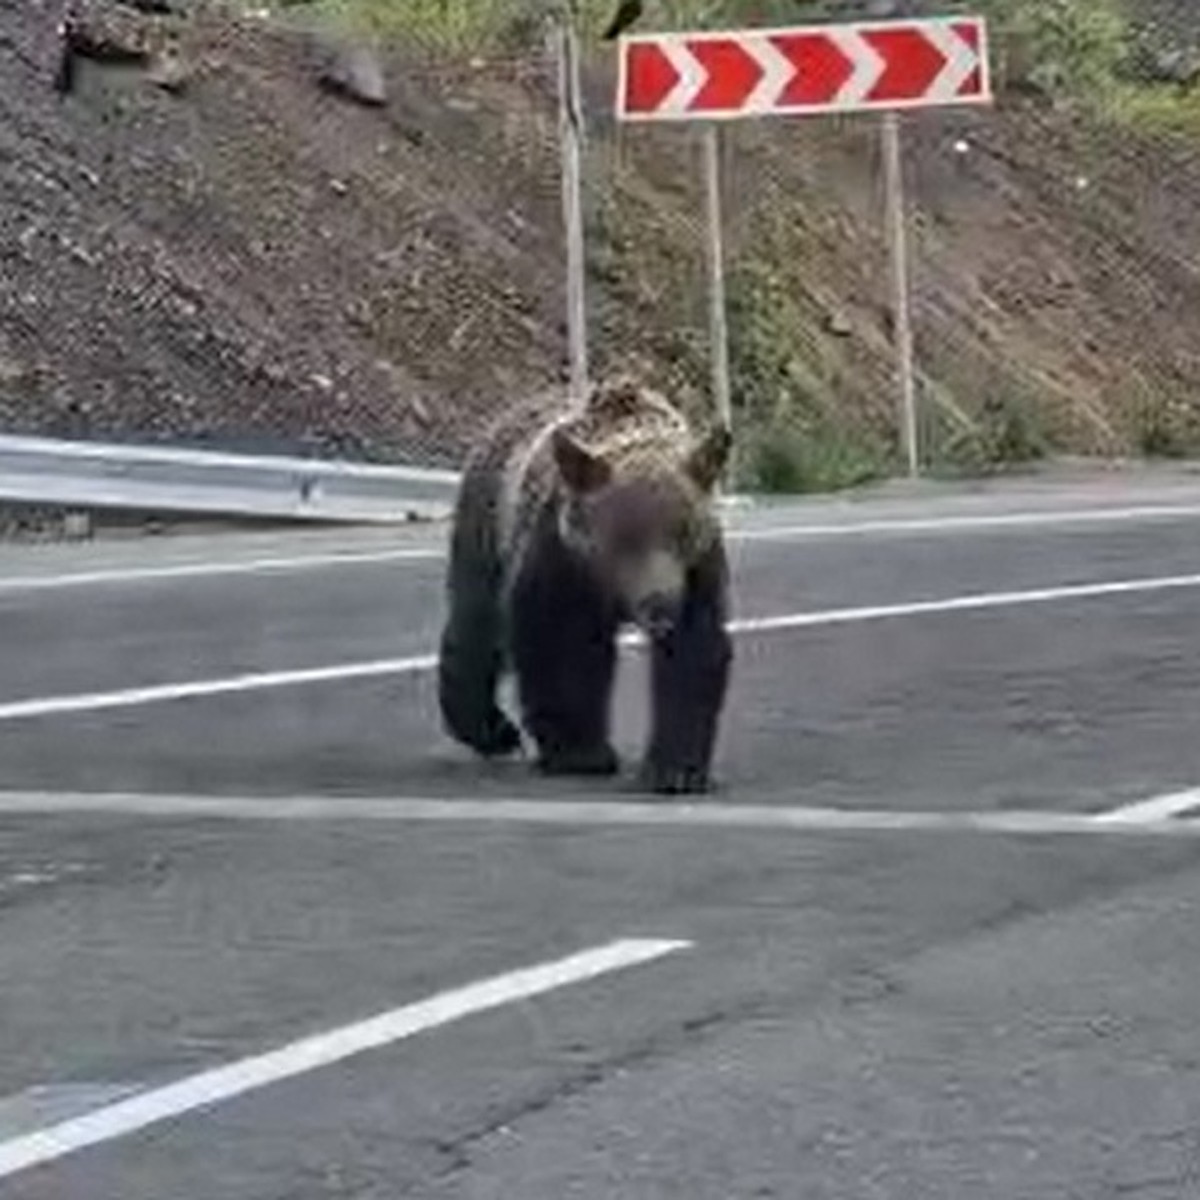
pixel 641 520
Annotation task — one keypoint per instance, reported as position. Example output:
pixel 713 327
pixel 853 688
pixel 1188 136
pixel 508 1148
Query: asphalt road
pixel 907 1008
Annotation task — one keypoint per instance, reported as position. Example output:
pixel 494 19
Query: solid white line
pixel 1157 808
pixel 18 710
pixel 309 1054
pixel 581 813
pixel 833 530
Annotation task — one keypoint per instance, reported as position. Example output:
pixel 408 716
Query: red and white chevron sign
pixel 804 70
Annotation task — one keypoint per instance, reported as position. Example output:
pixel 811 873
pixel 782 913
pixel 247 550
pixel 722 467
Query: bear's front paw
pixel 673 779
pixel 499 738
pixel 580 760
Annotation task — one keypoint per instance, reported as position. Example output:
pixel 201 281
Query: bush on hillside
pixel 1058 47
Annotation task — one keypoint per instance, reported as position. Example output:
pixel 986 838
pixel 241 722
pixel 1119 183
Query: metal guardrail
pixel 164 479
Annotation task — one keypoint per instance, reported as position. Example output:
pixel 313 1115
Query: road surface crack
pixel 457 1152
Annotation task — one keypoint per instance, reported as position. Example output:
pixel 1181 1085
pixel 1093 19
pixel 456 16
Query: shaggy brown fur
pixel 570 523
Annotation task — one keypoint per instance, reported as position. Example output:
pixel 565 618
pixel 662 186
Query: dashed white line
pixel 234 1079
pixel 194 570
pixel 1156 808
pixel 833 530
pixel 19 710
pixel 48 706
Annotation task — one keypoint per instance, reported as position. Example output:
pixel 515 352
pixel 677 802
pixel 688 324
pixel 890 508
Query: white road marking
pixel 703 814
pixel 311 1053
pixel 1157 808
pixel 48 1104
pixel 833 530
pixel 969 603
pixel 962 524
pixel 192 570
pixel 19 710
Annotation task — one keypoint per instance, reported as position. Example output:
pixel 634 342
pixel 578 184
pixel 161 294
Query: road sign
pixel 811 69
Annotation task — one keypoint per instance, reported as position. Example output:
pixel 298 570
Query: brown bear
pixel 572 522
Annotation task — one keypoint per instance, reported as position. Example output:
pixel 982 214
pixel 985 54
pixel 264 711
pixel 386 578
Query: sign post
pixel 813 70
pixel 893 177
pixel 718 335
pixel 570 120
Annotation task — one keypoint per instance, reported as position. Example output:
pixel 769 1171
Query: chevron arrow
pixel 804 70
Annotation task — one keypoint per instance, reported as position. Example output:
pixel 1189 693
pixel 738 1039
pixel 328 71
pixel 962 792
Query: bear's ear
pixel 581 470
pixel 708 459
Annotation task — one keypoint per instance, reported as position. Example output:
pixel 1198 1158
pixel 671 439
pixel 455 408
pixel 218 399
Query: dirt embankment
pixel 237 255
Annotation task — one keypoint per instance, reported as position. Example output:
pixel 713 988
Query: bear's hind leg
pixel 471 660
pixel 469 668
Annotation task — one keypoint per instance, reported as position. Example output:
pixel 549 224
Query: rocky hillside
pixel 208 241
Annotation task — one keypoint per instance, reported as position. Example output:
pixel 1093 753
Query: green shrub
pixel 1166 427
pixel 1060 47
pixel 784 458
pixel 785 386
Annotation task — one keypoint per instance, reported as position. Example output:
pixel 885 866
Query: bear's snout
pixel 657 613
